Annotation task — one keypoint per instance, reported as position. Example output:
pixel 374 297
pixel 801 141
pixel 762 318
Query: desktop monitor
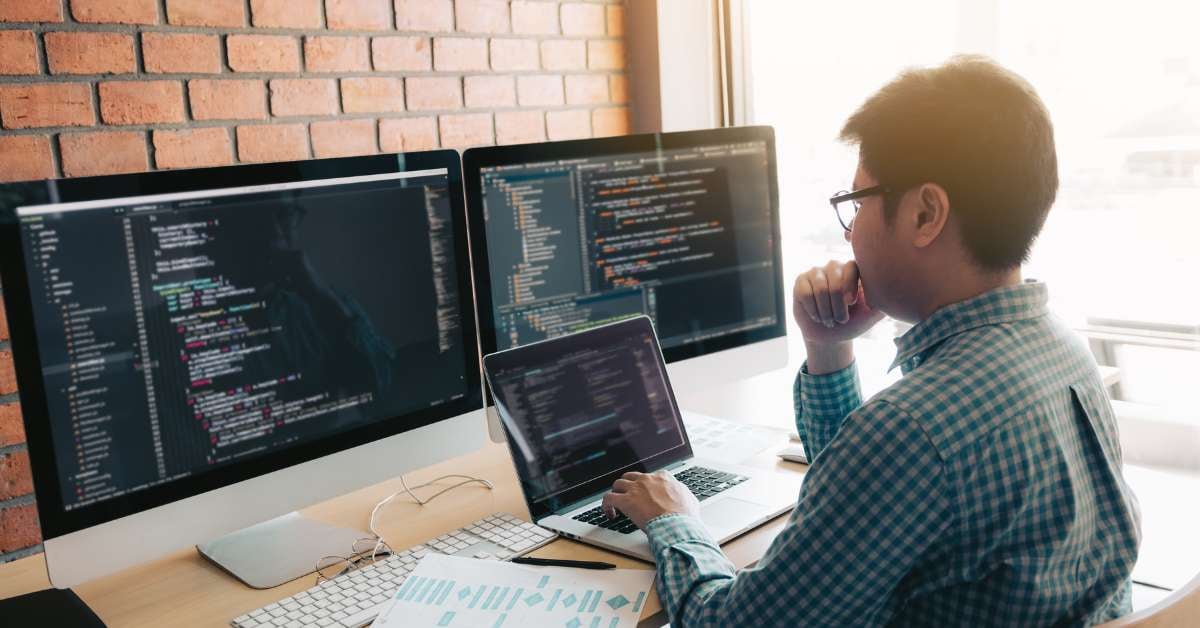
pixel 198 351
pixel 683 227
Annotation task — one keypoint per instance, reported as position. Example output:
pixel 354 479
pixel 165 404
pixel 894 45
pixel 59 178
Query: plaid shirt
pixel 983 488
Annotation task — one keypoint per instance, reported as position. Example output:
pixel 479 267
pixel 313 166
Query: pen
pixel 554 562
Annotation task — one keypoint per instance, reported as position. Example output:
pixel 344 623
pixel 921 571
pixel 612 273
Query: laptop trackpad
pixel 730 513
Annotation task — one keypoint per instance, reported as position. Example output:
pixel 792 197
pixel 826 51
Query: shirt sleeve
pixel 870 508
pixel 822 402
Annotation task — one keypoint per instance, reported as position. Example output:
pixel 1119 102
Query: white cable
pixel 420 502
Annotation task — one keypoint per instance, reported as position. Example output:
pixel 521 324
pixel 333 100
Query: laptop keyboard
pixel 701 481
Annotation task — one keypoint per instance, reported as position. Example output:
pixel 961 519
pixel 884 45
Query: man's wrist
pixel 824 358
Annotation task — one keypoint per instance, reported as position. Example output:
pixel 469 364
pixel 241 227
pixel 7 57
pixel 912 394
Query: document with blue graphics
pixel 452 591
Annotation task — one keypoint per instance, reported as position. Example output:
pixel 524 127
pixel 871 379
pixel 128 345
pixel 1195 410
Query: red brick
pixel 304 97
pixel 31 11
pixel 90 53
pixel 481 16
pixel 606 55
pixel 534 18
pixel 8 377
pixel 343 138
pixel 272 142
pixel 583 19
pixel 263 53
pixel 610 121
pixel 564 54
pixel 46 104
pixel 91 154
pixel 372 94
pixel 192 148
pixel 19 528
pixel 618 87
pixel 425 15
pixel 18 53
pixel 514 54
pixel 359 15
pixel 433 92
pixel 520 127
pixel 177 53
pixel 398 54
pixel 3 321
pixel 227 100
pixel 285 13
pixel 489 91
pixel 141 102
pixel 587 89
pixel 336 54
pixel 459 54
pixel 12 429
pixel 568 125
pixel 615 16
pixel 466 130
pixel 206 12
pixel 539 91
pixel 25 158
pixel 115 11
pixel 15 477
pixel 398 135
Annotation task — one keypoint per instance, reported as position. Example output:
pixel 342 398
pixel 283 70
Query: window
pixel 1120 250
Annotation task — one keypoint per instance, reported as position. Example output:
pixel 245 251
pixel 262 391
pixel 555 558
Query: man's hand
pixel 831 309
pixel 644 496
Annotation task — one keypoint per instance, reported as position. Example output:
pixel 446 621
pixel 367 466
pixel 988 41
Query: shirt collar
pixel 1002 305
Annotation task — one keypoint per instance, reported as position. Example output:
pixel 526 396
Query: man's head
pixel 967 152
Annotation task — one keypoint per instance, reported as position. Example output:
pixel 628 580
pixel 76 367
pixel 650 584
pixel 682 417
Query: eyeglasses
pixel 845 204
pixel 364 552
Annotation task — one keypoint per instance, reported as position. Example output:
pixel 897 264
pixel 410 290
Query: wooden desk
pixel 183 589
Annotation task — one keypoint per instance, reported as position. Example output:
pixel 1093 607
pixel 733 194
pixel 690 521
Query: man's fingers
pixel 611 503
pixel 820 284
pixel 632 476
pixel 622 486
pixel 851 284
pixel 802 295
pixel 837 304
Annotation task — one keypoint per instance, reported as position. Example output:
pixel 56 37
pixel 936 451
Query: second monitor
pixel 683 227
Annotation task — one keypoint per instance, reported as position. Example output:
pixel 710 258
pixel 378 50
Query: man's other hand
pixel 829 305
pixel 644 496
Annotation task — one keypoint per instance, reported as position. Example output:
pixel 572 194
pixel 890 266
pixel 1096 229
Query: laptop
pixel 581 410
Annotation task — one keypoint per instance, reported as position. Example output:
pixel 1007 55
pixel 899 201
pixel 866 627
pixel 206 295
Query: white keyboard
pixel 355 598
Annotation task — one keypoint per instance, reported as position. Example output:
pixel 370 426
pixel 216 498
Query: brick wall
pixel 92 87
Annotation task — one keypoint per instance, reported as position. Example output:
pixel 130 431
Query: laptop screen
pixel 582 409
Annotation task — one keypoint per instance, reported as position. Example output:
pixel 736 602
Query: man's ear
pixel 930 214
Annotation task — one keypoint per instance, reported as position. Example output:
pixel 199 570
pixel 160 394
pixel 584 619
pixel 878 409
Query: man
pixel 983 488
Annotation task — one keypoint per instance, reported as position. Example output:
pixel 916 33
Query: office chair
pixel 1180 609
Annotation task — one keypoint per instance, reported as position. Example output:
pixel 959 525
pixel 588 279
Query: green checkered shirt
pixel 983 488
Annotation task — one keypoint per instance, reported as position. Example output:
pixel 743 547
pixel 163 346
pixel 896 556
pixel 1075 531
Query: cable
pixel 420 502
pixel 466 480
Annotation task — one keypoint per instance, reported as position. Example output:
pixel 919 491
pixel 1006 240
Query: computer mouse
pixel 793 453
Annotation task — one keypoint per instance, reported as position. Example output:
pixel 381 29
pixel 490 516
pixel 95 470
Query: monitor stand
pixel 282 549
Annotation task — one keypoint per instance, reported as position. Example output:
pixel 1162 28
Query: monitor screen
pixel 682 227
pixel 581 408
pixel 180 334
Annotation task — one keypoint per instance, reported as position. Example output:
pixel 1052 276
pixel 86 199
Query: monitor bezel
pixel 538 352
pixel 57 521
pixel 476 159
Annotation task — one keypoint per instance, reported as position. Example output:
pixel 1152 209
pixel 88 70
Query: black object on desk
pixel 555 562
pixel 51 607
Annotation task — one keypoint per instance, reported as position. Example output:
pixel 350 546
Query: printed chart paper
pixel 465 592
